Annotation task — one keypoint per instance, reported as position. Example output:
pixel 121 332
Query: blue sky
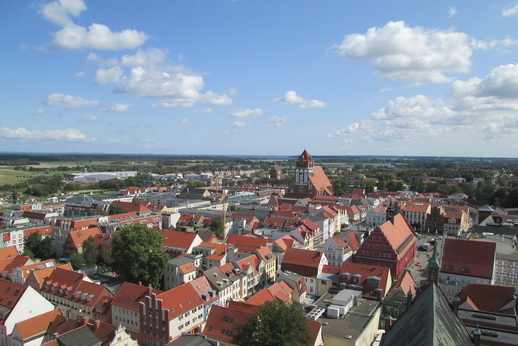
pixel 260 77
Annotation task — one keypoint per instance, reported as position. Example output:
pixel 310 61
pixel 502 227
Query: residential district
pixel 387 267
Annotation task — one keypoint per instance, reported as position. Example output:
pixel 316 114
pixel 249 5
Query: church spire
pixel 433 265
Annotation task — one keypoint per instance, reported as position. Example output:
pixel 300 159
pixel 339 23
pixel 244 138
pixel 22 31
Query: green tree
pixel 46 250
pixel 138 255
pixel 217 227
pixel 340 186
pixel 31 245
pixel 15 196
pixel 115 209
pixel 77 261
pixel 90 252
pixel 276 323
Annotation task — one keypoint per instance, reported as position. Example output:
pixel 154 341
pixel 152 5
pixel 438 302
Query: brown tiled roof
pixel 303 262
pixel 222 323
pixel 177 239
pixel 489 298
pixel 37 324
pixel 7 254
pixel 397 232
pixel 10 293
pixel 130 295
pixel 406 282
pixel 320 180
pixel 252 241
pixel 304 157
pixel 468 257
pixel 364 271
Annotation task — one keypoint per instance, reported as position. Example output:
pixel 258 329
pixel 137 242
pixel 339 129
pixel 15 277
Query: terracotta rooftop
pixel 488 298
pixel 468 257
pixel 36 325
pixel 303 262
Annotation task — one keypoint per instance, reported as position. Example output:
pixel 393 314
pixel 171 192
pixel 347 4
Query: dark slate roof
pixel 81 336
pixel 192 340
pixel 429 321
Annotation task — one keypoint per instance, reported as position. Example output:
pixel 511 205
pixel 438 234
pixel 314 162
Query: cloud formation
pixel 485 107
pixel 149 74
pixel 276 121
pixel 246 113
pixel 452 12
pixel 291 98
pixel 410 54
pixel 95 36
pixel 510 11
pixel 118 107
pixel 70 101
pixel 23 133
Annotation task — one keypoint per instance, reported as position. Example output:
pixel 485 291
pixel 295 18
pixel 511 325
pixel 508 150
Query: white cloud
pixel 92 57
pixel 90 118
pixel 185 121
pixel 452 12
pixel 59 12
pixel 277 121
pixel 291 98
pixel 96 36
pixel 111 75
pixel 246 113
pixel 148 57
pixel 414 55
pixel 119 107
pixel 510 11
pixel 204 110
pixel 80 74
pixel 148 74
pixel 40 111
pixel 238 124
pixel 23 133
pixel 484 107
pixel 70 101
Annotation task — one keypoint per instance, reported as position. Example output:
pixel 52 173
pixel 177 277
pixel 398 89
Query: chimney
pixel 456 301
pixel 409 299
pixel 476 337
pixel 388 323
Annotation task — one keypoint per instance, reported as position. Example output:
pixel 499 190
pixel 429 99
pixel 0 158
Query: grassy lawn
pixel 8 175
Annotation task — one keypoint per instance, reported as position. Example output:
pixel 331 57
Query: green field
pixel 8 175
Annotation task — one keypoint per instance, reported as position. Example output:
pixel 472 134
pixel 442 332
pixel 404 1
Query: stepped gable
pixel 130 295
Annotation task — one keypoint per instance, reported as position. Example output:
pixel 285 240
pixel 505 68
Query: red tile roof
pixel 77 238
pixel 365 271
pixel 130 295
pixel 278 291
pixel 304 157
pixel 405 282
pixel 302 262
pixel 179 300
pixel 489 298
pixel 320 181
pixel 135 207
pixel 10 294
pixel 7 254
pixel 468 257
pixel 222 323
pixel 36 325
pixel 178 239
pixel 396 233
pixel 247 241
